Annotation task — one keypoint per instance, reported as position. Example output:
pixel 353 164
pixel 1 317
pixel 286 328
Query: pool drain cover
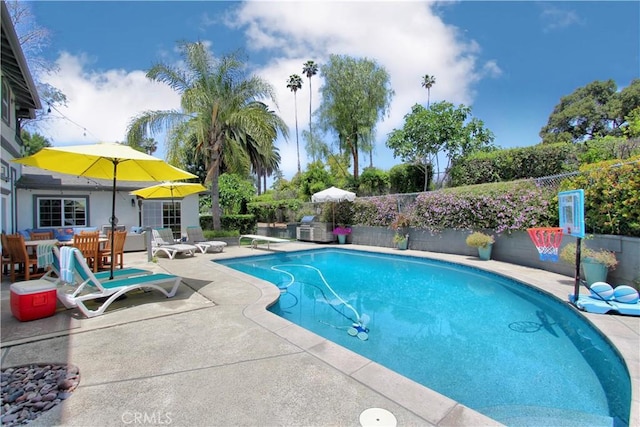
pixel 377 417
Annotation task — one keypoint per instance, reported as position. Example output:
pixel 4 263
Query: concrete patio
pixel 213 355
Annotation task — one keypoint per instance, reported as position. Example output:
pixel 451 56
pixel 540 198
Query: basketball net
pixel 547 241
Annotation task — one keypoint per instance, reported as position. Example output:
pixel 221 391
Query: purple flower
pixel 342 230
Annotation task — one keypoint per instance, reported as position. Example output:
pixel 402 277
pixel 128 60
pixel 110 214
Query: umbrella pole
pixel 173 213
pixel 113 218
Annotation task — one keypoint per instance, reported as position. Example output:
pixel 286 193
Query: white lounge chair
pixel 101 275
pixel 195 236
pixel 79 284
pixel 257 239
pixel 163 241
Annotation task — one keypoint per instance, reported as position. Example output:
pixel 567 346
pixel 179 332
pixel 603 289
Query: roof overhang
pixel 15 68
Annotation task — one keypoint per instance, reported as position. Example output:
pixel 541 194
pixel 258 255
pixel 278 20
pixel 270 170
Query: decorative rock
pixel 64 395
pixel 27 391
pixel 13 397
pixel 49 397
pixel 65 384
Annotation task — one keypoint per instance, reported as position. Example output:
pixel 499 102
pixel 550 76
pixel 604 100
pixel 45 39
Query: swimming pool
pixel 491 343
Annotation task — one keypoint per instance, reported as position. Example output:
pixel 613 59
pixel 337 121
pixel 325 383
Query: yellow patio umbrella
pixel 105 160
pixel 168 190
pixel 171 190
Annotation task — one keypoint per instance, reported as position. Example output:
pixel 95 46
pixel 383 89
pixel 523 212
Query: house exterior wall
pixel 18 88
pixel 99 207
pixel 190 212
pixel 11 147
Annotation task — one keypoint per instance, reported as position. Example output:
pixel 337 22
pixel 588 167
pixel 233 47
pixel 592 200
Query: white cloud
pixel 101 104
pixel 407 38
pixel 555 18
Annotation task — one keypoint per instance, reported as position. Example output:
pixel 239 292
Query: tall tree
pixel 441 128
pixel 428 82
pixel 294 83
pixel 310 69
pixel 219 109
pixel 355 94
pixel 595 110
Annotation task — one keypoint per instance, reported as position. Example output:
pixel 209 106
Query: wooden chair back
pixel 118 248
pixel 89 244
pixel 19 256
pixel 41 235
pixel 6 259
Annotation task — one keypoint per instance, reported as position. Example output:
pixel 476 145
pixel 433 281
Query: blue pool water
pixel 496 345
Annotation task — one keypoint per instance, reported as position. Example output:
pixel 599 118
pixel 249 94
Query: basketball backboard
pixel 571 210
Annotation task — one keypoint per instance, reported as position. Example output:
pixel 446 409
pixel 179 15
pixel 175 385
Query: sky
pixel 511 62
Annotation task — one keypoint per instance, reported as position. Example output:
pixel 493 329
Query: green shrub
pixel 607 148
pixel 341 213
pixel 244 224
pixel 284 210
pixel 612 196
pixel 513 164
pixel 213 234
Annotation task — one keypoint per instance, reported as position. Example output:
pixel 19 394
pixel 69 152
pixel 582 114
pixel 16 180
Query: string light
pixel 84 129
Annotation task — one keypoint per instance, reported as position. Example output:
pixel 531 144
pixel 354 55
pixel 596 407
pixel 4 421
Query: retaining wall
pixel 514 248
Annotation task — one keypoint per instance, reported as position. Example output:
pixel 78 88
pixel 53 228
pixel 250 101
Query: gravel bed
pixel 28 391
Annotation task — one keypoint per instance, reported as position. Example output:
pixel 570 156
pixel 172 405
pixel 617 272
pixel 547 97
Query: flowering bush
pixel 342 230
pixel 517 206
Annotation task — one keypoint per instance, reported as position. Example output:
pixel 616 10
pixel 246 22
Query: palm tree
pixel 310 69
pixel 294 83
pixel 264 158
pixel 428 82
pixel 218 110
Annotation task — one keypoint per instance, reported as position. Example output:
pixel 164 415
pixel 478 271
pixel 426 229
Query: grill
pixel 311 231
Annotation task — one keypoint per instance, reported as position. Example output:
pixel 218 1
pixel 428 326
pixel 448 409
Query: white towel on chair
pixel 44 252
pixel 67 260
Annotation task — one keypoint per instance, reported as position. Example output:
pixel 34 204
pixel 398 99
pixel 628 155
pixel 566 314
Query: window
pixel 162 214
pixel 62 212
pixel 6 102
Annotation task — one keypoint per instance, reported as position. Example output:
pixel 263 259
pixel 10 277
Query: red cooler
pixel 33 299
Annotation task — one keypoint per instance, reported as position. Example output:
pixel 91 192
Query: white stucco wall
pixel 100 208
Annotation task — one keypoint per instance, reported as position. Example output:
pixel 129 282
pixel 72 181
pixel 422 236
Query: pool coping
pixel 424 402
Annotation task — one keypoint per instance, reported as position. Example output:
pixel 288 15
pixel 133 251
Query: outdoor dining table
pixel 33 243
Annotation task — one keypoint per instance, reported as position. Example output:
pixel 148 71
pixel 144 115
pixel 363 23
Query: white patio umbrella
pixel 105 160
pixel 333 194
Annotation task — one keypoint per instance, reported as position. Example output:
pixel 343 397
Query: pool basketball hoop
pixel 547 241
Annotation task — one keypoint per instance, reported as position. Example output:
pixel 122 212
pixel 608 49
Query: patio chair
pixel 41 235
pixel 89 244
pixel 85 287
pixel 18 255
pixel 118 249
pixel 195 236
pixel 6 259
pixel 163 241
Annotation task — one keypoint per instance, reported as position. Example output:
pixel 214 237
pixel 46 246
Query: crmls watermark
pixel 146 418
